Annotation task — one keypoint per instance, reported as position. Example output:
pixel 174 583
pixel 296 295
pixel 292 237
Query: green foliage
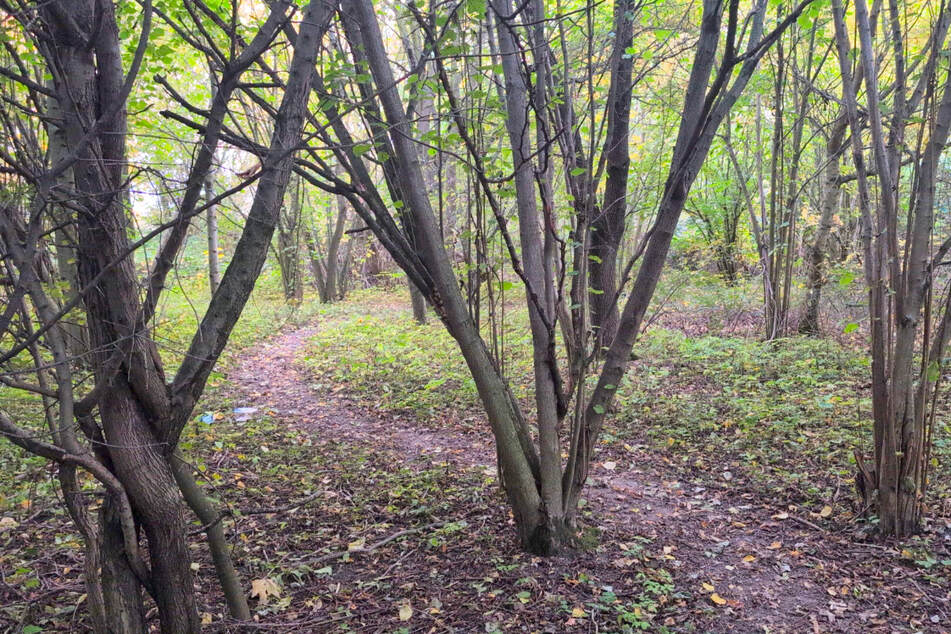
pixel 781 417
pixel 372 344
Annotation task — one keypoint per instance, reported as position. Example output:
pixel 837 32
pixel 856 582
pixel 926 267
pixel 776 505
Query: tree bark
pixel 508 427
pixel 815 263
pixel 210 517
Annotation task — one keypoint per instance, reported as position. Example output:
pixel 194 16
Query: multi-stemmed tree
pixel 121 420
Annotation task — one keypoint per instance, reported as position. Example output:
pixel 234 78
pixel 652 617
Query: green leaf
pixel 598 409
pixel 846 279
pixel 850 327
pixel 934 371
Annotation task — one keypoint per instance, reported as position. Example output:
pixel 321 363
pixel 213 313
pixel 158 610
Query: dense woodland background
pixel 474 314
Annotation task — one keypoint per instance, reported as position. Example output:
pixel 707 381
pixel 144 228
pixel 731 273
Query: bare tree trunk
pixel 815 273
pixel 211 219
pixel 210 518
pixel 288 242
pixel 211 216
pixel 418 302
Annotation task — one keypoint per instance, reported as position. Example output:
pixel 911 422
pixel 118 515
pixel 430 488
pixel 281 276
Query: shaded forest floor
pixel 363 497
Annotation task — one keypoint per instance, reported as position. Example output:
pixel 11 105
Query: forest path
pixel 750 567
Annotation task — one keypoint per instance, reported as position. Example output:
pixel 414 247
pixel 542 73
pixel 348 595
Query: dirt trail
pixel 766 568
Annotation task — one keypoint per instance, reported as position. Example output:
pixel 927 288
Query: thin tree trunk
pixel 210 517
pixel 121 590
pixel 418 302
pixel 211 219
pixel 211 216
pixel 815 273
pixel 516 458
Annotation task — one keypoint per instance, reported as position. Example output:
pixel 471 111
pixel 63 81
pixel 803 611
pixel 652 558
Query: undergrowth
pixel 781 417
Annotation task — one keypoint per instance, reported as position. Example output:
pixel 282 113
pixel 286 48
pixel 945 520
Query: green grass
pixel 781 418
pixel 372 344
pixel 24 477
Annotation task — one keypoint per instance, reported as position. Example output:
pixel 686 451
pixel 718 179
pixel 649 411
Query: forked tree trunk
pixel 140 413
pixel 516 453
pixel 92 78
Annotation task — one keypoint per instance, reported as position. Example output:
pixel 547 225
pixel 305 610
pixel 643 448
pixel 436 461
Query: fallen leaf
pixel 775 546
pixel 707 587
pixel 781 516
pixel 263 589
pixel 749 559
pixel 406 611
pixel 577 613
pixel 8 524
pixel 826 511
pixel 610 466
pixel 356 544
pixel 716 598
pixel 206 619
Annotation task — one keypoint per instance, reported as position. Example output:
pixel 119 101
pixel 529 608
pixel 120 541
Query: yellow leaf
pixel 406 611
pixel 577 613
pixel 749 559
pixel 206 619
pixel 357 544
pixel 716 598
pixel 826 511
pixel 775 546
pixel 264 589
pixel 707 587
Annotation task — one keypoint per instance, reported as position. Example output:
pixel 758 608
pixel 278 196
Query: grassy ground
pixel 781 417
